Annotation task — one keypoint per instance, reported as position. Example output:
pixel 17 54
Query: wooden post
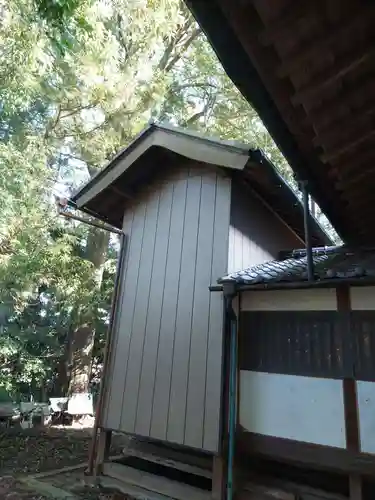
pixel 349 386
pixel 218 474
pixel 103 448
pixel 355 487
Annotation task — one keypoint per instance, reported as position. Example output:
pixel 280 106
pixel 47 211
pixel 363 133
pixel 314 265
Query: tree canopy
pixel 78 80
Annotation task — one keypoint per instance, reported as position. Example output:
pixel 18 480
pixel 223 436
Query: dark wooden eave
pixel 308 69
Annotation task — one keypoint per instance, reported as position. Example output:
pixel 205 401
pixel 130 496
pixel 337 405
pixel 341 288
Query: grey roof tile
pixel 342 264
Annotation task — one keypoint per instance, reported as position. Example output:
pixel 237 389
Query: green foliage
pixel 78 80
pixel 63 19
pixel 57 12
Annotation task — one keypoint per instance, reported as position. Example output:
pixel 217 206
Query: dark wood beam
pixel 351 412
pixel 355 487
pixel 340 107
pixel 277 28
pixel 358 197
pixel 355 161
pixel 360 213
pixel 363 234
pixel 355 182
pixel 312 48
pixel 357 126
pixel 347 118
pixel 341 68
pixel 360 177
pixel 340 150
pixel 304 454
pixel 218 478
pixel 246 22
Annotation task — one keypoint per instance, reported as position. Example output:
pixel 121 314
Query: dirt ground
pixel 31 451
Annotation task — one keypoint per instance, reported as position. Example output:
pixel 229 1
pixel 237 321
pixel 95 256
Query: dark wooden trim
pixel 103 449
pixel 349 383
pixel 336 347
pixel 363 337
pixel 299 285
pixel 351 415
pixel 349 386
pixel 299 453
pixel 301 343
pixel 355 487
pixel 245 75
pixel 343 298
pixel 218 475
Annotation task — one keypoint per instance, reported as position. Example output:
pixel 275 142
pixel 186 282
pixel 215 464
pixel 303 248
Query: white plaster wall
pixel 300 408
pixel 362 298
pixel 323 299
pixel 366 409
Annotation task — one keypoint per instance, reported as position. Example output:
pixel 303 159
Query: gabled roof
pixel 339 264
pixel 107 194
pixel 308 70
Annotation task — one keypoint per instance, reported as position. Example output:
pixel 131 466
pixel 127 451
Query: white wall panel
pixel 362 298
pixel 323 299
pixel 366 408
pixel 304 409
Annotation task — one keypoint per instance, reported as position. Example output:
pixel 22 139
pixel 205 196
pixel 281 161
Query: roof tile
pixel 342 264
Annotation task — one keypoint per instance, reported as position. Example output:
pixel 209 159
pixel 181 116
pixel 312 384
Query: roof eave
pixel 219 153
pixel 293 285
pixel 242 72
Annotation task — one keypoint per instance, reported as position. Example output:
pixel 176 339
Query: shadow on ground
pixel 32 451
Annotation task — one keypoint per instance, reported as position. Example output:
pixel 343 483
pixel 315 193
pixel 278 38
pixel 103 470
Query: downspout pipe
pixel 104 226
pixel 307 224
pixel 229 291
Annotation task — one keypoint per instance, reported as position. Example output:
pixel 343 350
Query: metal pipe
pixel 232 406
pixel 307 224
pixel 107 352
pixel 229 293
pixel 104 226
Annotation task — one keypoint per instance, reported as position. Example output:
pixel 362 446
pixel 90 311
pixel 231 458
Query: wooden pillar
pixel 349 388
pixel 103 448
pixel 355 487
pixel 218 475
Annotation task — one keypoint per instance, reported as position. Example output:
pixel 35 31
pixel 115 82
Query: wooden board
pixel 154 483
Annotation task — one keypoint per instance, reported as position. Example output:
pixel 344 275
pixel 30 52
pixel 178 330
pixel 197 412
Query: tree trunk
pixel 82 341
pixel 81 358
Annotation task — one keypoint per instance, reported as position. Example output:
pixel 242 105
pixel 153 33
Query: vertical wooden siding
pixel 256 234
pixel 166 364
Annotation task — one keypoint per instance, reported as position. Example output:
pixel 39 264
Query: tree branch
pixel 129 48
pixel 76 110
pixel 192 85
pixel 53 126
pixel 182 49
pixel 196 116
